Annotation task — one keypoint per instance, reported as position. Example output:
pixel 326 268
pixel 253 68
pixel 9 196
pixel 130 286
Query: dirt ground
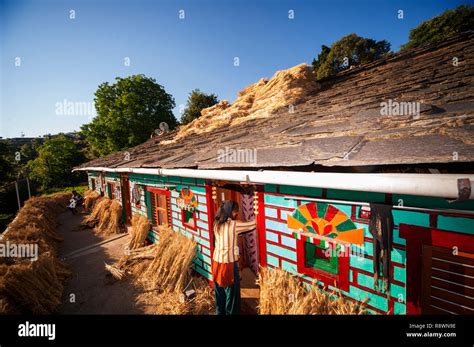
pixel 90 290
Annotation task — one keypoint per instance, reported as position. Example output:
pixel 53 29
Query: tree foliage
pixel 317 62
pixel 439 28
pixel 55 159
pixel 197 101
pixel 6 162
pixel 127 113
pixel 351 50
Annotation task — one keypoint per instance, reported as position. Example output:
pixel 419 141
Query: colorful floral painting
pixel 325 220
pixel 187 200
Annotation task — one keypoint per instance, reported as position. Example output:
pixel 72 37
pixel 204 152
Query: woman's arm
pixel 242 227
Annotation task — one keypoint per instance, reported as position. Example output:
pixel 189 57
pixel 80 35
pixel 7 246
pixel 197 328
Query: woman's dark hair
pixel 225 211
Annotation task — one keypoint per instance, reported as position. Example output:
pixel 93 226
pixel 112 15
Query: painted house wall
pixel 114 178
pixel 281 246
pixel 93 181
pixel 202 262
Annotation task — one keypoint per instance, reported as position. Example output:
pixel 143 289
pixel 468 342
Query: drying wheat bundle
pixel 115 271
pixel 99 208
pixel 200 299
pixel 282 293
pixel 136 261
pixel 34 286
pixel 163 270
pixel 204 302
pixel 36 222
pixel 258 100
pixel 91 197
pixel 278 291
pixel 140 229
pixel 54 203
pixel 171 268
pixel 105 217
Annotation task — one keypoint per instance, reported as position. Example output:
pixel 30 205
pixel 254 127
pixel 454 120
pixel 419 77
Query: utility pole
pixel 29 190
pixel 17 195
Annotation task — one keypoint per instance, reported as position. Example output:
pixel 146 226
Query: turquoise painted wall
pixel 282 253
pixel 281 246
pixel 202 261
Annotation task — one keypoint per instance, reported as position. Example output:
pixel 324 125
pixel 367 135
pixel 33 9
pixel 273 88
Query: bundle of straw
pixel 171 267
pixel 105 217
pixel 136 261
pixel 140 229
pixel 177 303
pixel 163 270
pixel 282 293
pixel 115 271
pixel 34 287
pixel 91 197
pixel 99 209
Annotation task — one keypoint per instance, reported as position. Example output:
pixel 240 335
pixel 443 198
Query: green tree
pixel 55 159
pixel 440 28
pixel 197 101
pixel 6 160
pixel 127 113
pixel 350 50
pixel 321 57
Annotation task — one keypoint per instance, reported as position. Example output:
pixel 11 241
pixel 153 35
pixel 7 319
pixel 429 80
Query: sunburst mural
pixel 325 220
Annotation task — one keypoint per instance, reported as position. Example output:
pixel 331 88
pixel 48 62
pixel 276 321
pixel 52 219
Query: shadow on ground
pixel 89 289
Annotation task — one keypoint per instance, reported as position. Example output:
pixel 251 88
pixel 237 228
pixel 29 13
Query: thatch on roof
pixel 291 120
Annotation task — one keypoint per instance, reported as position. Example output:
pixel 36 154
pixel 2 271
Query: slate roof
pixel 341 124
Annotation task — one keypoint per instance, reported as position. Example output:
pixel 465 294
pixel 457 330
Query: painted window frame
pixel 167 195
pixel 340 279
pixel 183 216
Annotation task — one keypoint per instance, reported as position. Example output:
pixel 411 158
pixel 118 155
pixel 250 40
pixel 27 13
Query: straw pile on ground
pixel 163 271
pixel 282 293
pixel 105 217
pixel 91 197
pixel 139 232
pixel 28 286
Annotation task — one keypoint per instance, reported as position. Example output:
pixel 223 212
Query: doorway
pixel 439 270
pixel 126 206
pixel 448 281
pixel 248 242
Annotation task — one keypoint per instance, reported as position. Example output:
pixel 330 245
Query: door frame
pixel 126 203
pixel 417 237
pixel 260 221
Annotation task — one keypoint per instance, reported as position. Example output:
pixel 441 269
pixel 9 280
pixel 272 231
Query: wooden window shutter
pixel 154 217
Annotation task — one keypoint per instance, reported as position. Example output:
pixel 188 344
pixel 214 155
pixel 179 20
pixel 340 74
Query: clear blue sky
pixel 67 59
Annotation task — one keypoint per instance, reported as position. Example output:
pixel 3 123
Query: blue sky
pixel 66 59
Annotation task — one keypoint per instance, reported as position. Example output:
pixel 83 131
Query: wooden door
pixel 248 243
pixel 126 206
pixel 448 281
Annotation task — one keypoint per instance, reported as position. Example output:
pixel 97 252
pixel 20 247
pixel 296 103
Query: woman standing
pixel 225 268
